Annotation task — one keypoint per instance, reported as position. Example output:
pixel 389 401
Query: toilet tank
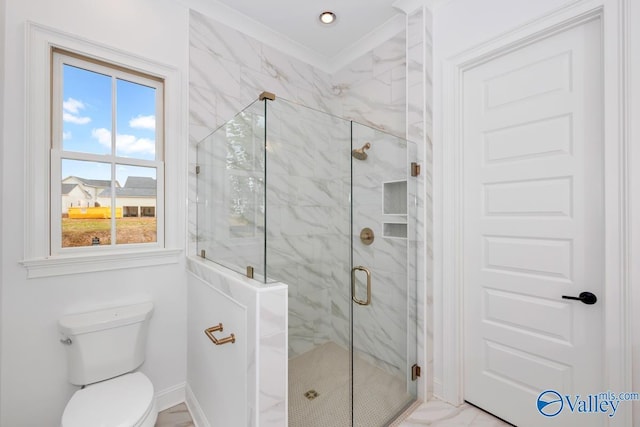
pixel 106 343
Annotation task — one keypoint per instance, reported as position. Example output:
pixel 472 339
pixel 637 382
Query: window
pixel 133 172
pixel 106 156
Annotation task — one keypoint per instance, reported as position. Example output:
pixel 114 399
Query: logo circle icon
pixel 550 403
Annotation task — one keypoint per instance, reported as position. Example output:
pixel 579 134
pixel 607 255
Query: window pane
pixel 136 120
pixel 86 111
pixel 137 198
pixel 86 214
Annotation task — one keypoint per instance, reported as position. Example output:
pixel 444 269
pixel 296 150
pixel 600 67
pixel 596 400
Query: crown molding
pixel 241 22
pixel 366 43
pixel 410 6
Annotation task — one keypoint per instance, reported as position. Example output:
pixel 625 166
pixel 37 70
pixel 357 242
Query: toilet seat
pixel 125 401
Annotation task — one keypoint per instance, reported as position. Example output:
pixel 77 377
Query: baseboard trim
pixel 199 419
pixel 170 396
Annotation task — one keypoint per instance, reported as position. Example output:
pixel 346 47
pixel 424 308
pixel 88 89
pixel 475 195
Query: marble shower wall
pixel 380 202
pixel 227 72
pixel 308 233
pixel 307 188
pixel 372 89
pixel 420 129
pixel 308 219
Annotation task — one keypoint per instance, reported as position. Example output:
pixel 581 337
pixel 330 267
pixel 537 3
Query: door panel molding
pixel 448 181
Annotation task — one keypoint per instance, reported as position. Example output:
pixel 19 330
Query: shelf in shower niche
pixel 394 197
pixel 395 230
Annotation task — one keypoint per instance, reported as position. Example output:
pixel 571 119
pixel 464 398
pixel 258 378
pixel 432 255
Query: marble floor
pixel 433 413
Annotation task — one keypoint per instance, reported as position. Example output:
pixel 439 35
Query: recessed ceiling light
pixel 327 17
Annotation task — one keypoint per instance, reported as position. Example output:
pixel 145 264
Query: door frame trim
pixel 448 192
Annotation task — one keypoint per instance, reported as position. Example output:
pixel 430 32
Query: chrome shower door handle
pixel 353 285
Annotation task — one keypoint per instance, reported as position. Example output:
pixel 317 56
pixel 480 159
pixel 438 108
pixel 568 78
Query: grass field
pixel 80 232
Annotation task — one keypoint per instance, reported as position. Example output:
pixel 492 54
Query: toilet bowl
pixel 104 348
pixel 125 401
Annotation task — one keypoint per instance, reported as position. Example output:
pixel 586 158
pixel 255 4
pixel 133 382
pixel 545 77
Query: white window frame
pixel 39 258
pixel 60 59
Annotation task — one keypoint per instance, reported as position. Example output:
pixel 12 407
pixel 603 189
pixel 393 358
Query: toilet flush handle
pixel 66 341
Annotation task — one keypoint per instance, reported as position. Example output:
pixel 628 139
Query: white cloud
pixel 68 117
pixel 143 122
pixel 73 105
pixel 103 136
pixel 71 110
pixel 126 144
pixel 66 135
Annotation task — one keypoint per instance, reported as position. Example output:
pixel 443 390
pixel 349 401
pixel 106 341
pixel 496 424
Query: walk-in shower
pixel 289 199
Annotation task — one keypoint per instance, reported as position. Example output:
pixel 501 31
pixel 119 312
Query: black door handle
pixel 585 297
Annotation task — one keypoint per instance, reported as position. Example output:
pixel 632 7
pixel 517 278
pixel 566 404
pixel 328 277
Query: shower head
pixel 359 153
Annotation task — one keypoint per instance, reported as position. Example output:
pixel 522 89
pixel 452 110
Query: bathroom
pixel 393 80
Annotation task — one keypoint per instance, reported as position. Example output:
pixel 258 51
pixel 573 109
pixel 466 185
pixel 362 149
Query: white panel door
pixel 533 227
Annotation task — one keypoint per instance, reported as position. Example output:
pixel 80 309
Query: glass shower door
pixel 384 344
pixel 308 248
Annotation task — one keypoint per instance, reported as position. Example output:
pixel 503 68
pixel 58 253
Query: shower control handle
pixel 353 285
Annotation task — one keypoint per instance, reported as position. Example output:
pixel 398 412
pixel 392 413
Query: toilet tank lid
pixel 75 324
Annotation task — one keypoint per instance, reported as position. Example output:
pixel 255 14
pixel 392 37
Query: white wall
pixel 461 24
pixel 34 389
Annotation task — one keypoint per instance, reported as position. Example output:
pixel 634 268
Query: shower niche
pixel 286 190
pixel 394 209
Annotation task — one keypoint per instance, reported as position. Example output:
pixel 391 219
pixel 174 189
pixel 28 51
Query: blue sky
pixel 87 123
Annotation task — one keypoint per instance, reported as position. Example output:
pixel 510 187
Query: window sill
pixel 64 265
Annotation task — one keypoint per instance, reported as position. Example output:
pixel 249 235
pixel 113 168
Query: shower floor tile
pixel 324 371
pixel 433 413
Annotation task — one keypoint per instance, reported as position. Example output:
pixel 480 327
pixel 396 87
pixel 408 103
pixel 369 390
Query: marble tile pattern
pixel 420 130
pixel 308 180
pixel 380 329
pixel 228 70
pixel 433 413
pixel 308 217
pixel 372 89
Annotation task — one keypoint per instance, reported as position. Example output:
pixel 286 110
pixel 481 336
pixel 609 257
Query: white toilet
pixel 103 348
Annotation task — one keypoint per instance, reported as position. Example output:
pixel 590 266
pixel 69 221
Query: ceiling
pixel 293 26
pixel 298 20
